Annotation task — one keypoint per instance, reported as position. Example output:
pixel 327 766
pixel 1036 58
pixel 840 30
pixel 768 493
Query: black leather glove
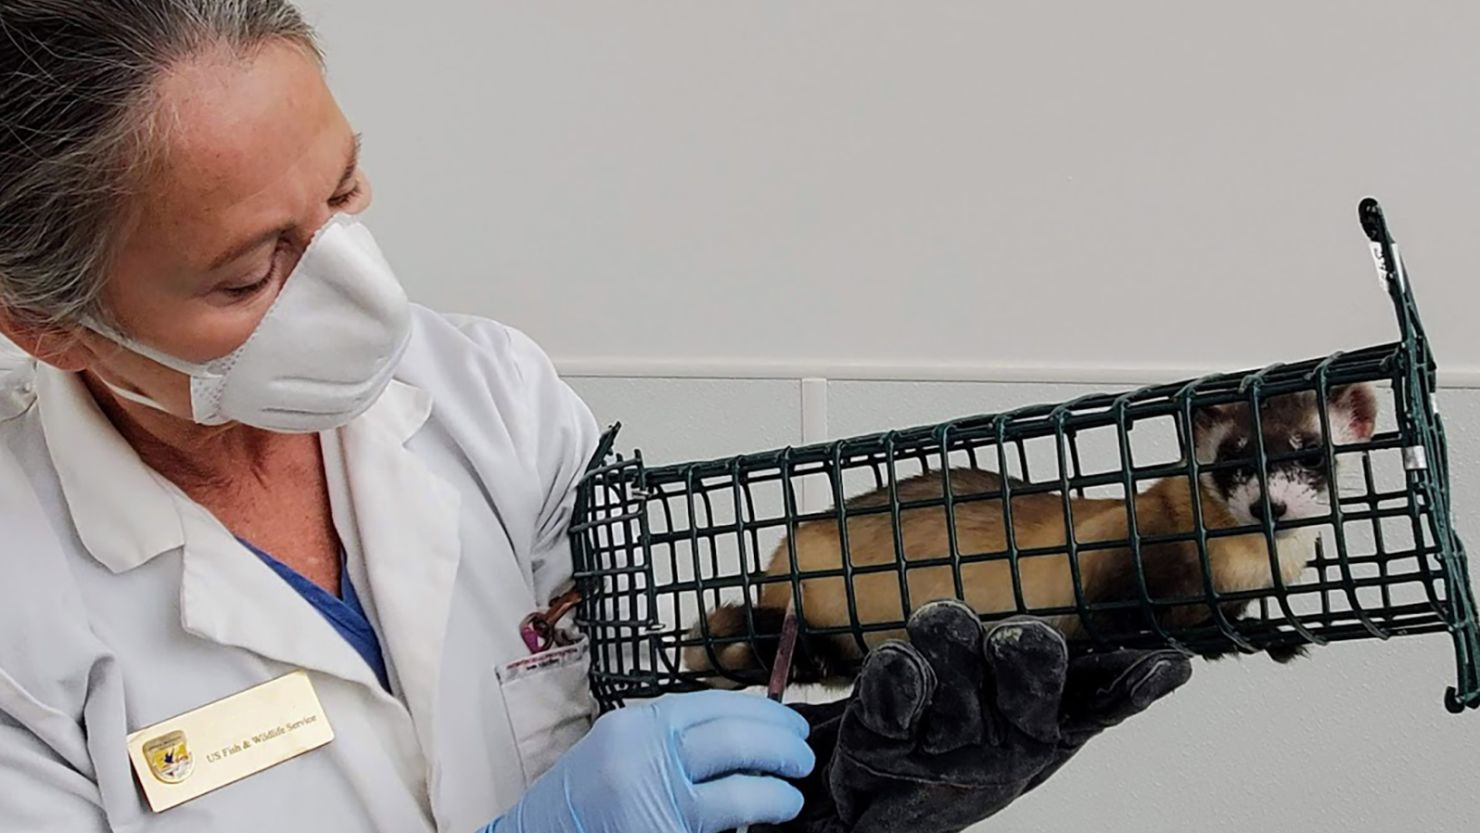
pixel 950 728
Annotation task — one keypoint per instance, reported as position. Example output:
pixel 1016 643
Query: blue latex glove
pixel 688 763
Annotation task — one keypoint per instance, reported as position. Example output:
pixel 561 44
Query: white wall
pixel 1047 192
pixel 882 188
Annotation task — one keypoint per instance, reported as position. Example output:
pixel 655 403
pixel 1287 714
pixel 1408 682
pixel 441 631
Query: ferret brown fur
pixel 1172 570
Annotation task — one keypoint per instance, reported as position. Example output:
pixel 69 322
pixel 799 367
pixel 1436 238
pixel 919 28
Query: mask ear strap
pixel 179 365
pixel 137 398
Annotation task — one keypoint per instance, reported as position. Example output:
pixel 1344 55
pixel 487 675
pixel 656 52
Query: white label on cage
pixel 1378 261
pixel 1382 265
pixel 1415 458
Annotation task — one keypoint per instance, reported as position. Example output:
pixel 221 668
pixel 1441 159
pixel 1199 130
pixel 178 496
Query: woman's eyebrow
pixel 260 240
pixel 247 247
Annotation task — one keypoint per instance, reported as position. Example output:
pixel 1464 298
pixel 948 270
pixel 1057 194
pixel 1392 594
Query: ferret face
pixel 1291 424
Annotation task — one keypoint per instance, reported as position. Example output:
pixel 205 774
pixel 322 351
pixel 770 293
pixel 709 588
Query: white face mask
pixel 324 352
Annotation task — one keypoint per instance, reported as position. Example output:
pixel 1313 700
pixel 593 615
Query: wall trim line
pixel 646 368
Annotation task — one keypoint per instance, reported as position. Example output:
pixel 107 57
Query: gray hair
pixel 77 129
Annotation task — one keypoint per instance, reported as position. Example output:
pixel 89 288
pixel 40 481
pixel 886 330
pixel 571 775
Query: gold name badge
pixel 217 744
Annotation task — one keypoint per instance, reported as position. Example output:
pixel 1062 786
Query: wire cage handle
pixel 1423 425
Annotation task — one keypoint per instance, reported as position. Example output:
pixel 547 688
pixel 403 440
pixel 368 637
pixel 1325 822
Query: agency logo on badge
pixel 169 758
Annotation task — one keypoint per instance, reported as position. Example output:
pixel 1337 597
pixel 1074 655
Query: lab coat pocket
pixel 549 703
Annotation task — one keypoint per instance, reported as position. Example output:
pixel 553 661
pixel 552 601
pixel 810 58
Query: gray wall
pixel 895 187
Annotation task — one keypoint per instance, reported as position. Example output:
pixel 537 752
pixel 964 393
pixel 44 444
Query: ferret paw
pixel 1215 654
pixel 1288 653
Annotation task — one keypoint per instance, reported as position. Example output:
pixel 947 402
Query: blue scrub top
pixel 344 612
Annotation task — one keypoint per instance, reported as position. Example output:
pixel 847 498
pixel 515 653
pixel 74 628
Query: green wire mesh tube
pixel 657 548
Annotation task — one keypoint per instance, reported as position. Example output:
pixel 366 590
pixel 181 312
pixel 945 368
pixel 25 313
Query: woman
pixel 236 452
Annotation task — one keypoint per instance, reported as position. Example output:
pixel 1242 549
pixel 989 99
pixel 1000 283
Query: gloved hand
pixel 950 728
pixel 687 763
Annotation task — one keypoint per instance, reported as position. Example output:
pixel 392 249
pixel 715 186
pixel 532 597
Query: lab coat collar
pixel 400 413
pixel 230 597
pixel 226 595
pixel 406 521
pixel 127 514
pixel 97 467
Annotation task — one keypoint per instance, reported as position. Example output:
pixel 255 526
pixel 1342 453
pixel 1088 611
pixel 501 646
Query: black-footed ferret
pixel 1231 497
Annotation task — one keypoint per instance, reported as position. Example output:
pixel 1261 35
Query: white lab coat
pixel 124 603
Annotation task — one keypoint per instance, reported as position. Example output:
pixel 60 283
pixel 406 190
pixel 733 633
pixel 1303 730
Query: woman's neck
pixel 202 459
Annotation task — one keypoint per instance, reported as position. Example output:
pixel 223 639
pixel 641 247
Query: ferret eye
pixel 1314 462
pixel 1232 449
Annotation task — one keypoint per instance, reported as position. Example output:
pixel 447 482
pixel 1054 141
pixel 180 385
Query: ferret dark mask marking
pixel 1298 472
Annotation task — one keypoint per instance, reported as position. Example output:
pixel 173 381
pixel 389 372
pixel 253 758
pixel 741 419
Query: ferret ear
pixel 1207 416
pixel 1210 424
pixel 1353 413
